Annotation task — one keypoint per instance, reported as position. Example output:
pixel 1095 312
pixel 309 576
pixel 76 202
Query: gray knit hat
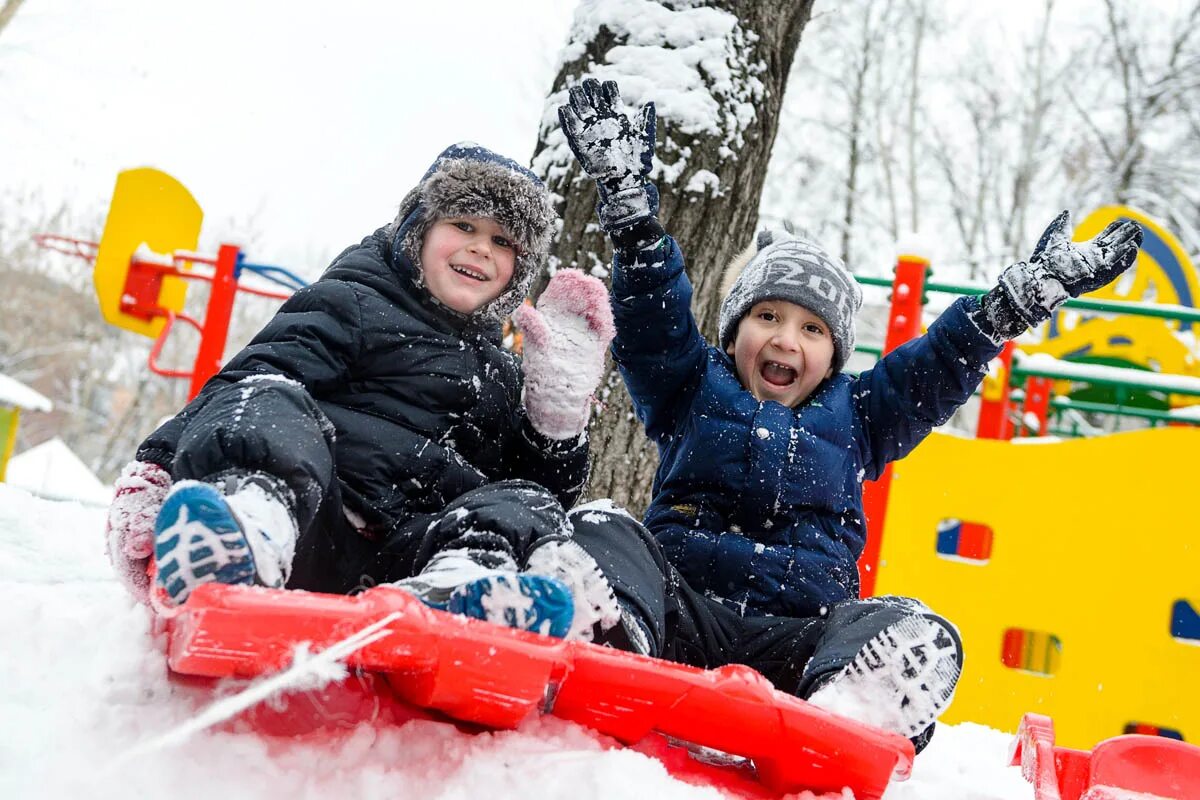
pixel 783 266
pixel 467 179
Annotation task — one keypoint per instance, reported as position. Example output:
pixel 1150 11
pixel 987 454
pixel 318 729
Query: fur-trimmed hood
pixel 469 180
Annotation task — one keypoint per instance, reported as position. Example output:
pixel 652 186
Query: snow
pixel 690 61
pixel 1056 368
pixel 298 126
pixel 89 712
pixel 15 393
pixel 51 469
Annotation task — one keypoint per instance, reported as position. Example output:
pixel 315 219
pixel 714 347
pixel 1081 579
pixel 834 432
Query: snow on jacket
pixel 424 402
pixel 754 502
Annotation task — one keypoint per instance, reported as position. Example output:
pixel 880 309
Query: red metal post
pixel 216 319
pixel 993 410
pixel 904 323
pixel 1037 403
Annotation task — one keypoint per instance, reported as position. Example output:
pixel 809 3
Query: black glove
pixel 1029 293
pixel 613 151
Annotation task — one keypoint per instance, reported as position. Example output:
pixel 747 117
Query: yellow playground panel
pixel 1080 600
pixel 152 208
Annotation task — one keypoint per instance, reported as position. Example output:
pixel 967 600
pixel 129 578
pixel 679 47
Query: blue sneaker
pixel 487 586
pixel 517 600
pixel 243 535
pixel 197 539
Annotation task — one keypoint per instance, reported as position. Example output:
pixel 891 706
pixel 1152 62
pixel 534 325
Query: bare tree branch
pixel 8 11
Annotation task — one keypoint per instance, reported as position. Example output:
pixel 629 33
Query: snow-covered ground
pixel 83 686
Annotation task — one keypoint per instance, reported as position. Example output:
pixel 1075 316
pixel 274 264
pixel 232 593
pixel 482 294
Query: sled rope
pixel 306 672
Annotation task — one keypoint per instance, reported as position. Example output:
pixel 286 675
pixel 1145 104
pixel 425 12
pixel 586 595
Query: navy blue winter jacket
pixel 756 503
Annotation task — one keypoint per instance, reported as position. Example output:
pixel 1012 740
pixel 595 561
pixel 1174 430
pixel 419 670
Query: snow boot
pixel 901 679
pixel 596 606
pixel 487 586
pixel 236 530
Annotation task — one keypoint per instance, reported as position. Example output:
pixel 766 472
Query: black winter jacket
pixel 424 403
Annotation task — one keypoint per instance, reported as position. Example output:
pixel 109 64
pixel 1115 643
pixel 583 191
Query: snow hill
pixel 83 688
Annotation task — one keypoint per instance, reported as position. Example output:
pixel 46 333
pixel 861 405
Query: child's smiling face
pixel 467 262
pixel 782 352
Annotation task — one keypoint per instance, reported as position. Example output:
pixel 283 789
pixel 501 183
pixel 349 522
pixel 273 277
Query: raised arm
pixel 919 385
pixel 565 339
pixel 658 348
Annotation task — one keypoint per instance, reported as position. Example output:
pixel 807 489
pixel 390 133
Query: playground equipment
pixel 144 259
pixel 1133 767
pixel 14 398
pixel 1069 566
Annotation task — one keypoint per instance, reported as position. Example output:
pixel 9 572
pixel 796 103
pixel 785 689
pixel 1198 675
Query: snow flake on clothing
pixel 772 524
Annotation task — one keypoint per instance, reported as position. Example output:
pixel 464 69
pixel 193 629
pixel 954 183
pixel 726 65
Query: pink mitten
pixel 564 342
pixel 140 491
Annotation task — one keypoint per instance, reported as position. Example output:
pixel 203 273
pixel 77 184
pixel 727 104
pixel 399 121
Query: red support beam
pixel 904 323
pixel 993 410
pixel 216 320
pixel 1037 404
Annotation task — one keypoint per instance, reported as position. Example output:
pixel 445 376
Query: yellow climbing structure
pixel 1088 586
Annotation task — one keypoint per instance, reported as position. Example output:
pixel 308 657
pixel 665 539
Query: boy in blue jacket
pixel 763 441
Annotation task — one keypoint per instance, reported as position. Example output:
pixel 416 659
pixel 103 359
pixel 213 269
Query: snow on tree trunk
pixel 717 70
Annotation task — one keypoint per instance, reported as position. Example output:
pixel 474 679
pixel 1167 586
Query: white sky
pixel 296 123
pixel 315 121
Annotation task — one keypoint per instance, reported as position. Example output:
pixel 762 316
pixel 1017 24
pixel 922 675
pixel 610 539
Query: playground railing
pixel 1044 369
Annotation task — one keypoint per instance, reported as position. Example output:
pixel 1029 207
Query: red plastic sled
pixel 1130 767
pixel 497 677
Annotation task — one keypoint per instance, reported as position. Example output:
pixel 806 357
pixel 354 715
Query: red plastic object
pixel 994 422
pixel 79 248
pixel 216 319
pixel 1131 767
pixel 1037 403
pixel 904 323
pixel 156 350
pixel 497 677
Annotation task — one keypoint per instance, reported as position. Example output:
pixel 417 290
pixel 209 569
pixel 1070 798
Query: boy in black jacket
pixel 375 431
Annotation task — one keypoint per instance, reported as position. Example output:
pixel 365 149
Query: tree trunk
pixel 8 10
pixel 709 171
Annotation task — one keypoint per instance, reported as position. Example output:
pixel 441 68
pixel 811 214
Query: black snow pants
pixel 509 518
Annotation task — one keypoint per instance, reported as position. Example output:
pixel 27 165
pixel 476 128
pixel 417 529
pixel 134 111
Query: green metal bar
pixel 1019 371
pixel 1074 434
pixel 1129 383
pixel 1086 303
pixel 1065 403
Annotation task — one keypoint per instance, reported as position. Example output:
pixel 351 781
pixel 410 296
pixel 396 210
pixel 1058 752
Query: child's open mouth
pixel 778 374
pixel 469 272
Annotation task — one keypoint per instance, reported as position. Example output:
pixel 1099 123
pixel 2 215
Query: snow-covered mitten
pixel 129 533
pixel 1028 293
pixel 616 152
pixel 565 338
